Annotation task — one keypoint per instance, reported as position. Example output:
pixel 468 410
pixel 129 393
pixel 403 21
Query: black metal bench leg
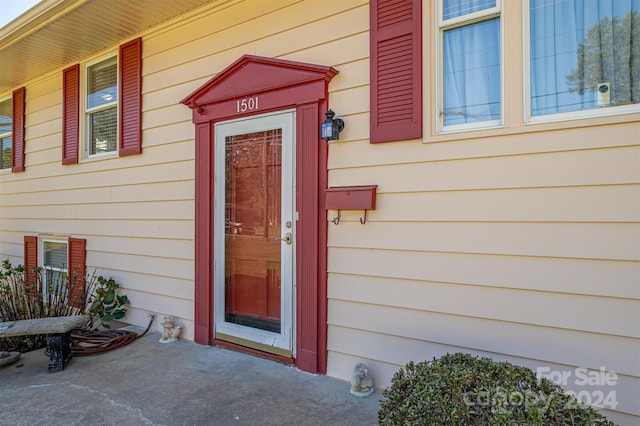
pixel 59 351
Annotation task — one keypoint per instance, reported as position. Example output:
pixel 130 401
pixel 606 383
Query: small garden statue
pixel 361 383
pixel 171 331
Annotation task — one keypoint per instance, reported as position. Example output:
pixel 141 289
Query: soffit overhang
pixel 56 33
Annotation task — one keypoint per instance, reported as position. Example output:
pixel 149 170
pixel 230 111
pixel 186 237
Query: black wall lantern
pixel 331 127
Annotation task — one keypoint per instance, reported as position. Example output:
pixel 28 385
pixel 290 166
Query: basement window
pixel 54 265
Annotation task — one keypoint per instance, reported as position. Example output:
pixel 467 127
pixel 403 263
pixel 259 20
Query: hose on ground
pixel 90 342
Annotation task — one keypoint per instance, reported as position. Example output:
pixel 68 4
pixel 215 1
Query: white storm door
pixel 254 232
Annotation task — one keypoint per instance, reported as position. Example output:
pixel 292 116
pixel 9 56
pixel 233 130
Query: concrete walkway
pixel 181 383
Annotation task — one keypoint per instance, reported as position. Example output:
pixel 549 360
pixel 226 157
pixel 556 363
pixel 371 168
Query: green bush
pixel 106 304
pixel 22 298
pixel 459 389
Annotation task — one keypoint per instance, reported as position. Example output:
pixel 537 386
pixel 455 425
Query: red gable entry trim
pixel 256 75
pixel 203 292
pixel 70 114
pixel 279 84
pixel 396 70
pixel 17 131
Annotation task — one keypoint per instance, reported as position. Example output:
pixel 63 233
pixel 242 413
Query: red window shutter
pixel 396 70
pixel 130 97
pixel 31 263
pixel 77 271
pixel 17 131
pixel 70 114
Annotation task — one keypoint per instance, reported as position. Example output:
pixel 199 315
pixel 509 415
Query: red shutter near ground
pixel 70 114
pixel 17 131
pixel 396 70
pixel 130 97
pixel 30 263
pixel 77 272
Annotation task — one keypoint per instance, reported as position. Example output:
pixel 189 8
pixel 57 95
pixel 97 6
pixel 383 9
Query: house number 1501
pixel 247 104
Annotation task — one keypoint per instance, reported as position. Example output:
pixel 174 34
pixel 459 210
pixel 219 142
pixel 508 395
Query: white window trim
pixel 9 133
pixel 460 21
pixel 41 243
pixel 559 116
pixel 84 126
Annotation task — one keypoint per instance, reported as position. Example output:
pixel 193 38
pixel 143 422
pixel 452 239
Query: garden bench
pixel 58 331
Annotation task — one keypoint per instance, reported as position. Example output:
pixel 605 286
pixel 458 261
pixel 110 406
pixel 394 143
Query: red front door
pixel 252 226
pixel 255 277
pixel 254 85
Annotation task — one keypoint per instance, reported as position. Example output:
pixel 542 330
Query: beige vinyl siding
pixel 255 31
pixel 527 252
pixel 520 243
pixel 179 59
pixel 137 212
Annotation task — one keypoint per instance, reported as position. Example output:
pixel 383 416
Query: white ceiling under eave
pixel 61 32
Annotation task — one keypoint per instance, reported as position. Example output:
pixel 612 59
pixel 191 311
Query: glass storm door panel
pixel 254 232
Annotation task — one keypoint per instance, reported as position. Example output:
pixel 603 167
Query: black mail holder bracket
pixel 351 198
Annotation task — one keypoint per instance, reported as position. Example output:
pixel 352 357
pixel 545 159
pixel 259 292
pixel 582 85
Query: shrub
pixel 106 304
pixel 459 389
pixel 22 298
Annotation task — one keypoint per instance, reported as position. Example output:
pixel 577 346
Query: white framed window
pixel 6 142
pixel 470 81
pixel 101 107
pixel 583 58
pixel 54 263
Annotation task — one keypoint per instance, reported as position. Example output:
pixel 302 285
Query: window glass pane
pixel 6 114
pixel 54 261
pixel 253 179
pixel 471 66
pixel 55 254
pixel 455 8
pixel 54 283
pixel 584 54
pixel 7 153
pixel 102 83
pixel 102 131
